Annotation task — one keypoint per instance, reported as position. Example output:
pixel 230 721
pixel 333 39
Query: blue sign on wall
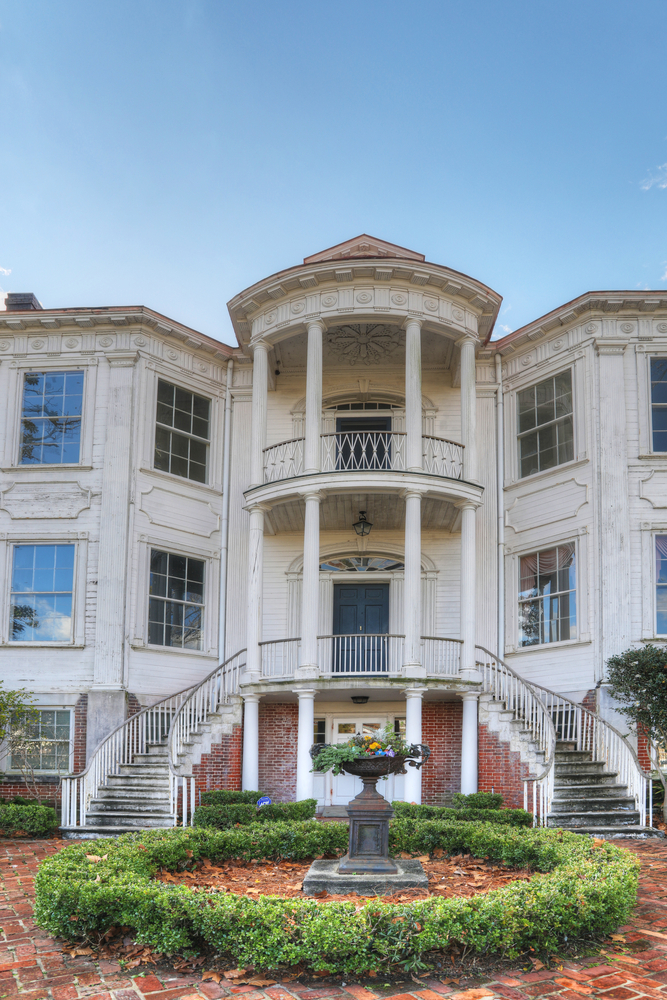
pixel 264 801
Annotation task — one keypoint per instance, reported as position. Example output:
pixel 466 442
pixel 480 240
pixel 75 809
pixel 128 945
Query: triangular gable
pixel 363 246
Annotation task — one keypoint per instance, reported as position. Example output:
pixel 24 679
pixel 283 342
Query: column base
pixel 248 678
pixel 471 675
pixel 413 670
pixel 308 672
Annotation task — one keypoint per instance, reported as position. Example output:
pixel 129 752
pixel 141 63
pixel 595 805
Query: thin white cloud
pixel 505 328
pixel 658 178
pixel 663 276
pixel 5 270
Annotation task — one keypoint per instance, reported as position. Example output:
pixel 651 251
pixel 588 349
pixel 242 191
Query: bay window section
pixel 547 596
pixel 546 433
pixel 176 601
pixel 661 584
pixel 659 403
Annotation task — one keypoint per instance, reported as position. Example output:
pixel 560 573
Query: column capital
pixel 316 324
pixel 470 696
pixel 415 692
pixel 258 508
pixel 413 320
pixel 467 338
pixel 260 345
pixel 411 491
pixel 318 495
pixel 305 693
pixel 467 504
pixel 253 699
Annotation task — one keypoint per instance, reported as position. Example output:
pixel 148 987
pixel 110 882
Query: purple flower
pixel 390 753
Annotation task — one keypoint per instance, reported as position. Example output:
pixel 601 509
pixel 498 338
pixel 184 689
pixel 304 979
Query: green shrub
pixel 477 800
pixel 507 817
pixel 223 797
pixel 36 821
pixel 223 817
pixel 583 891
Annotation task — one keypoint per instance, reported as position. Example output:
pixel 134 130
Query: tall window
pixel 547 596
pixel 51 417
pixel 545 424
pixel 176 602
pixel 41 596
pixel 661 585
pixel 182 432
pixel 41 741
pixel 659 403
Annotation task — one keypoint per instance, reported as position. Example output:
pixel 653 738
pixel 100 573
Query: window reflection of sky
pixel 42 580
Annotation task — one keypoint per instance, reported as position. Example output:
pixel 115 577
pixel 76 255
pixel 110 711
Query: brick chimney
pixel 21 302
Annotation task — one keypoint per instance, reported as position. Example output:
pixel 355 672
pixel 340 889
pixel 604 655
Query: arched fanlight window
pixel 361 564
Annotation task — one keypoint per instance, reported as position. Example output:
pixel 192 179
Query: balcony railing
pixel 360 655
pixel 364 451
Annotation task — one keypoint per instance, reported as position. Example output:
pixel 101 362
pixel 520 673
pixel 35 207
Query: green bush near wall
pixel 222 817
pixel 582 890
pixel 33 820
pixel 506 817
pixel 223 797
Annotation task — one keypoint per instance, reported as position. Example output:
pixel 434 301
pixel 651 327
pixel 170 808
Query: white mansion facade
pixel 356 508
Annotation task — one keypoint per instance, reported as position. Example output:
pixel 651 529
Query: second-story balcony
pixel 363 451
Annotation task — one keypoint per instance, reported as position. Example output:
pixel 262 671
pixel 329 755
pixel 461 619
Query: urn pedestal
pixel 369 812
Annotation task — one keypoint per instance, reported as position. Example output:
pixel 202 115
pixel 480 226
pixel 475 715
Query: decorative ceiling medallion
pixel 662 327
pixel 431 304
pixel 364 297
pixel 627 327
pixel 365 343
pixel 398 299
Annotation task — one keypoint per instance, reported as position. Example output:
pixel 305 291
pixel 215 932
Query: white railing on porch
pixel 441 657
pixel 524 701
pixel 360 654
pixel 363 451
pixel 280 657
pixel 441 457
pixel 576 724
pixel 284 460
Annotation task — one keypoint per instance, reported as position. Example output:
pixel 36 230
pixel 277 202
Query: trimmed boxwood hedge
pixel 224 816
pixel 585 889
pixel 507 817
pixel 225 797
pixel 33 820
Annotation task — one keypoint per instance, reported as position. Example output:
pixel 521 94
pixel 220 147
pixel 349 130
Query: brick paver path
pixel 35 966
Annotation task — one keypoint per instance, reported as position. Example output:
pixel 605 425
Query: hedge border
pixel 586 890
pixel 30 820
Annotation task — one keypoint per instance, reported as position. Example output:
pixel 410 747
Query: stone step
pixel 569 820
pixel 611 803
pixel 132 794
pixel 574 756
pixel 137 781
pixel 612 832
pixel 131 818
pixel 579 767
pixel 120 804
pixel 98 832
pixel 158 771
pixel 576 778
pixel 589 791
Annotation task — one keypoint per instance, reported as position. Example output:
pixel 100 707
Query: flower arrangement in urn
pixel 382 752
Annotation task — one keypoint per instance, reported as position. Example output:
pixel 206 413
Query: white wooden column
pixel 469 744
pixel 260 387
pixel 413 395
pixel 255 587
pixel 412 789
pixel 468 407
pixel 310 588
pixel 467 588
pixel 412 586
pixel 251 743
pixel 305 738
pixel 311 452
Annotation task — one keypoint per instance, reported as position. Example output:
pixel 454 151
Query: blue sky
pixel 171 152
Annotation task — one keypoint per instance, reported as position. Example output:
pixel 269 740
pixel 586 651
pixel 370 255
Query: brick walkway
pixel 34 966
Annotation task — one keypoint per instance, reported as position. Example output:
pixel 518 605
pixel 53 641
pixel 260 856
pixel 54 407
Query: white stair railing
pixel 525 702
pixel 441 657
pixel 202 701
pixel 279 657
pixel 360 654
pixel 574 723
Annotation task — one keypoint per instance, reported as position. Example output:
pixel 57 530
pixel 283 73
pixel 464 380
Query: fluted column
pixel 413 395
pixel 310 588
pixel 468 588
pixel 412 586
pixel 255 586
pixel 468 407
pixel 413 734
pixel 311 453
pixel 260 386
pixel 304 776
pixel 251 742
pixel 469 744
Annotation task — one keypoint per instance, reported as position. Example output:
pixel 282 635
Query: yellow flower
pixel 374 746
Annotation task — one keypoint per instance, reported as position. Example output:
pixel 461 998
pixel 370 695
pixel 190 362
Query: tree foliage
pixel 638 681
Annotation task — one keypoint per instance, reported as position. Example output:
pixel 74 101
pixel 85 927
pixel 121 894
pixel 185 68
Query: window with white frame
pixel 182 432
pixel 547 596
pixel 661 584
pixel 659 403
pixel 545 433
pixel 40 741
pixel 176 601
pixel 51 418
pixel 41 593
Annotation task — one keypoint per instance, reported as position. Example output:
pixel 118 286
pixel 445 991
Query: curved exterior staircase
pixel 582 774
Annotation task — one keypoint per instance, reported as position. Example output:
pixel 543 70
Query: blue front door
pixel 361 619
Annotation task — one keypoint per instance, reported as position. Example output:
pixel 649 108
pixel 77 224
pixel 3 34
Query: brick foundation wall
pixel 277 750
pixel 221 768
pixel 133 705
pixel 441 731
pixel 80 725
pixel 500 768
pixel 590 701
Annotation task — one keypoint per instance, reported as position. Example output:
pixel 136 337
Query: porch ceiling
pixel 437 351
pixel 386 512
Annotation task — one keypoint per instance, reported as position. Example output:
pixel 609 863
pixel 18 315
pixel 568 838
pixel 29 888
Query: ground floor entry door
pixel 343 787
pixel 361 619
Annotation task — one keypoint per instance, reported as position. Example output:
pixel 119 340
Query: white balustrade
pixel 284 460
pixel 363 451
pixel 360 653
pixel 441 657
pixel 524 700
pixel 279 657
pixel 441 457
